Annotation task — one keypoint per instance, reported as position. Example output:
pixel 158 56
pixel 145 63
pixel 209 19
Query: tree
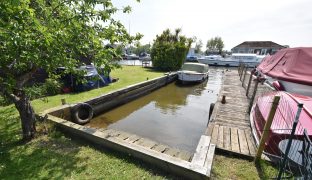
pixel 169 50
pixel 215 45
pixel 140 48
pixel 46 34
pixel 198 46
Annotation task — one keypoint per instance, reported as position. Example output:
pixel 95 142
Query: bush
pixel 50 87
pixel 169 50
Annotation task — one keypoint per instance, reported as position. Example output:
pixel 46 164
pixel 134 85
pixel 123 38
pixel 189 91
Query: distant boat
pixel 210 60
pixel 234 60
pixel 283 118
pixel 289 69
pixel 193 72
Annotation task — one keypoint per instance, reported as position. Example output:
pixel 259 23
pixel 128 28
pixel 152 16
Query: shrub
pixel 169 50
pixel 50 87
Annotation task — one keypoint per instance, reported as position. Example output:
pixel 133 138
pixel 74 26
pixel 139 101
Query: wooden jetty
pixel 229 125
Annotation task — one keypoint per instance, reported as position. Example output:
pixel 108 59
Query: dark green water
pixel 174 115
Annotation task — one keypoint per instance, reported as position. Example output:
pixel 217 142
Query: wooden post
pixel 245 70
pixel 249 82
pixel 267 126
pixel 241 72
pixel 63 100
pixel 239 67
pixel 253 95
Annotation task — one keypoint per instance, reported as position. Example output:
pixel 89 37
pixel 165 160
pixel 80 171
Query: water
pixel 174 115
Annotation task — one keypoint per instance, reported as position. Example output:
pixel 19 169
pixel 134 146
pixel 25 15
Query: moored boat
pixel 210 60
pixel 283 118
pixel 290 70
pixel 193 72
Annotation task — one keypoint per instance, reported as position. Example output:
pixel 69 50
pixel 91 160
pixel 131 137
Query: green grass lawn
pixel 52 155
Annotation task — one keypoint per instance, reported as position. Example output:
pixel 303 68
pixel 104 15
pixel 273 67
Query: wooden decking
pixel 148 144
pixel 229 126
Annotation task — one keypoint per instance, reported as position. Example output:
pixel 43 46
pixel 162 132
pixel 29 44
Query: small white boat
pixel 237 58
pixel 210 60
pixel 234 60
pixel 193 72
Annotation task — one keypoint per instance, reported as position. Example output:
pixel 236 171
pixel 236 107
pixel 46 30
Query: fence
pixel 284 139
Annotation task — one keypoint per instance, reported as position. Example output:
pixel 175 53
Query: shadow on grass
pixel 41 158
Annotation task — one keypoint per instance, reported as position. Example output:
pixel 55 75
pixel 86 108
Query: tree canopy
pixel 215 45
pixel 198 46
pixel 169 50
pixel 46 34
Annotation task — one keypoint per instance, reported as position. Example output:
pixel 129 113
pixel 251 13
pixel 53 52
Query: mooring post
pixel 63 100
pixel 245 70
pixel 249 82
pixel 241 72
pixel 292 134
pixel 253 94
pixel 267 126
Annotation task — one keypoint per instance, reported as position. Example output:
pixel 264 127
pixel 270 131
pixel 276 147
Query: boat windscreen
pixel 194 67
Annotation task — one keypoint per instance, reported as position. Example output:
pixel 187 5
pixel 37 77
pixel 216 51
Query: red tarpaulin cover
pixel 291 64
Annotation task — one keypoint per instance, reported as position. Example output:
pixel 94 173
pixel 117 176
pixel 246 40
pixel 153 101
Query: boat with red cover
pixel 289 69
pixel 283 119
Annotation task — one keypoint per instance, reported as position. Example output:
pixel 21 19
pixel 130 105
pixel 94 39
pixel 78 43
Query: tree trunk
pixel 27 115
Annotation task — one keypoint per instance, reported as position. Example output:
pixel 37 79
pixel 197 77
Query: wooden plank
pixel 201 151
pixel 184 155
pixel 231 125
pixel 243 142
pixel 209 129
pixel 250 142
pixel 220 137
pixel 209 158
pixel 160 148
pixel 146 143
pixel 171 152
pixel 132 138
pixel 237 122
pixel 231 116
pixel 215 111
pixel 215 132
pixel 227 138
pixel 234 140
pixel 123 136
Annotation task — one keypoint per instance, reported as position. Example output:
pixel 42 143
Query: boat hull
pixel 192 77
pixel 283 119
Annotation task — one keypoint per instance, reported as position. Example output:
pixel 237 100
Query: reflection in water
pixel 174 115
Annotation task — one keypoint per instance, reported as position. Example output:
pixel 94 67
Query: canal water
pixel 174 115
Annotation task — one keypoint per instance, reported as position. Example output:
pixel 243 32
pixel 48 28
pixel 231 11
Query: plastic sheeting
pixel 291 64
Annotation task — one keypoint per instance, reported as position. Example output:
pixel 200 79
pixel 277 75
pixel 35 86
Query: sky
pixel 286 22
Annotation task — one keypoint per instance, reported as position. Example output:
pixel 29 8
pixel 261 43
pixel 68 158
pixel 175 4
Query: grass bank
pixel 52 155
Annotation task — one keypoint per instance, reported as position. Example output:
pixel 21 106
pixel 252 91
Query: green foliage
pixel 198 46
pixel 49 34
pixel 4 101
pixel 215 45
pixel 169 50
pixel 46 34
pixel 50 87
pixel 140 48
